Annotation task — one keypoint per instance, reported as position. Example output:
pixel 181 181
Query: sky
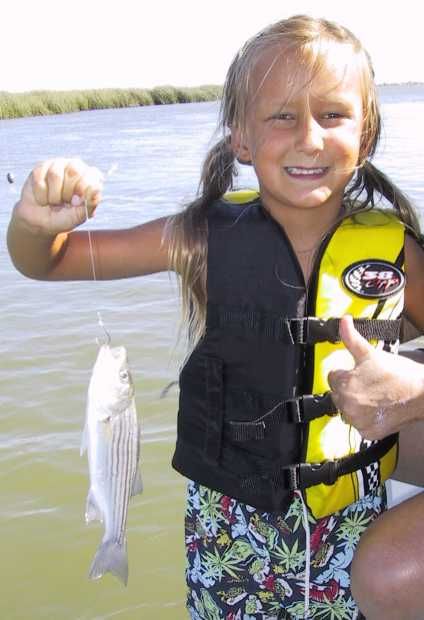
pixel 62 45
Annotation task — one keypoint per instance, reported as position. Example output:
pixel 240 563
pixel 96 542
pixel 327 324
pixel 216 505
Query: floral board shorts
pixel 244 564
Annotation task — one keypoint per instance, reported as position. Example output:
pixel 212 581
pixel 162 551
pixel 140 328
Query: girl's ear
pixel 240 147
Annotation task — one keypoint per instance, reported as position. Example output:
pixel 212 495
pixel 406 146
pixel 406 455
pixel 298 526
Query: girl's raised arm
pixel 55 200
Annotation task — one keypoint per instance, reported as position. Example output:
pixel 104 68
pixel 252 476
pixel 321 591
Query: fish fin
pixel 92 510
pixel 111 557
pixel 137 486
pixel 138 441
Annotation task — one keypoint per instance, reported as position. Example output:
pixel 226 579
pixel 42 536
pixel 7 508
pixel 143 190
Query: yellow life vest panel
pixel 359 239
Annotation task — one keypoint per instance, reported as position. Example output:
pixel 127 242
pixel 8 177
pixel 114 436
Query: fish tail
pixel 111 557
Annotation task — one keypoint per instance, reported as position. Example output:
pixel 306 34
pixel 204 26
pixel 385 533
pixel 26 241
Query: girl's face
pixel 303 143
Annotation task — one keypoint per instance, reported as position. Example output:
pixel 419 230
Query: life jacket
pixel 256 420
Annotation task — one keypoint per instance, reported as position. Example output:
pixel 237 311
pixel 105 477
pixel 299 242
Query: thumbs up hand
pixel 382 393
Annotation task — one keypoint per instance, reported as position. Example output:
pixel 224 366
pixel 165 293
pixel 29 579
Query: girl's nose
pixel 310 137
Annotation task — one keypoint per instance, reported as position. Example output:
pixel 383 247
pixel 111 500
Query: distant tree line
pixel 43 102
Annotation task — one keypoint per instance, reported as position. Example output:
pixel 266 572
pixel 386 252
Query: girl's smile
pixel 306 174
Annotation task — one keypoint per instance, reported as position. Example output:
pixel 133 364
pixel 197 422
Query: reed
pixel 43 102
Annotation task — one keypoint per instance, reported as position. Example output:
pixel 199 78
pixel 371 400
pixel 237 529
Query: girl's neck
pixel 306 228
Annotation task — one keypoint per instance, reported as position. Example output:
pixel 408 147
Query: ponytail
pixel 368 181
pixel 218 172
pixel 186 234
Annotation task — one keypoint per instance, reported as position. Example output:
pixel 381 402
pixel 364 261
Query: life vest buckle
pixel 329 471
pixel 321 330
pixel 304 475
pixel 309 406
pixel 312 329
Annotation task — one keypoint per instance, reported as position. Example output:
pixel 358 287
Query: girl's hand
pixel 55 195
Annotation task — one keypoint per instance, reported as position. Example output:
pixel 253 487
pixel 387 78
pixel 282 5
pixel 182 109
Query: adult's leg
pixel 388 568
pixel 410 467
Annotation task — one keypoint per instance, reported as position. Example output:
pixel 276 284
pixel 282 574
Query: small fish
pixel 112 439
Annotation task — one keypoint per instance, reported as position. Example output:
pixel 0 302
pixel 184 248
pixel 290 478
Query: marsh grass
pixel 43 102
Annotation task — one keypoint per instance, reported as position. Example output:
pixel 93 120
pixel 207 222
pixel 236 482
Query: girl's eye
pixel 284 116
pixel 332 115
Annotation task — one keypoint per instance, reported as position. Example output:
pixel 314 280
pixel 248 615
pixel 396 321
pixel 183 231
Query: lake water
pixel 48 347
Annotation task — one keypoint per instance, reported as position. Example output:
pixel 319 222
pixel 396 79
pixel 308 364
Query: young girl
pixel 281 487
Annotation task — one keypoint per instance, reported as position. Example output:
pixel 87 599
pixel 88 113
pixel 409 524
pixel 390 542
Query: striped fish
pixel 112 439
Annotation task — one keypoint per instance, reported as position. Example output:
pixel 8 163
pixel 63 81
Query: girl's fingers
pixel 93 200
pixel 39 183
pixel 94 179
pixel 62 181
pixel 74 170
pixel 54 178
pixel 88 189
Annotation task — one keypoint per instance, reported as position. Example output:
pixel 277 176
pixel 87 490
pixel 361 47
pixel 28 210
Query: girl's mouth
pixel 299 172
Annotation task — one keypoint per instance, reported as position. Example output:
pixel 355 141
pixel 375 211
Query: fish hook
pixel 106 339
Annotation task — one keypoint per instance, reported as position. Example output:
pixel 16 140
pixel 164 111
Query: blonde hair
pixel 311 40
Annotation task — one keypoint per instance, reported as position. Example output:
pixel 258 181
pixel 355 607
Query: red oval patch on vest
pixel 374 279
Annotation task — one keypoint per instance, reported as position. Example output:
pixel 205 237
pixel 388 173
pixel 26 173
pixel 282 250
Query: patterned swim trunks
pixel 243 564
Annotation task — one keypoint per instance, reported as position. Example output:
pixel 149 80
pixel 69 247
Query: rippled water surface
pixel 48 347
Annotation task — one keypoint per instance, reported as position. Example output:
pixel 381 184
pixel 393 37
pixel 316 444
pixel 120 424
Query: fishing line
pixel 112 169
pixel 90 244
pixel 93 269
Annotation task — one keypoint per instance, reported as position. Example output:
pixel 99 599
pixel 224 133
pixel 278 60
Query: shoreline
pixel 47 102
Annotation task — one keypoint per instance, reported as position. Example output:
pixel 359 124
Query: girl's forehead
pixel 289 74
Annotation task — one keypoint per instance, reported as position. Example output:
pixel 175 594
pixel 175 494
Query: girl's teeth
pixel 306 171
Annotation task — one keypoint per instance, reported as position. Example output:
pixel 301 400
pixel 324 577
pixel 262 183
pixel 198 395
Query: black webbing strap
pixel 305 330
pixel 304 475
pixel 269 325
pixel 297 411
pixel 310 330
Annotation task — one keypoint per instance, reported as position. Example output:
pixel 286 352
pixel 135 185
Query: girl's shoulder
pixel 235 206
pixel 374 217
